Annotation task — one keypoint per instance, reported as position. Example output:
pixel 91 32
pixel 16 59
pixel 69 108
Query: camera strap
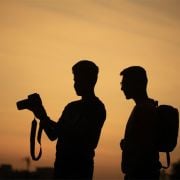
pixel 33 139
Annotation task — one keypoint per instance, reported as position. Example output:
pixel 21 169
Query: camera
pixel 33 100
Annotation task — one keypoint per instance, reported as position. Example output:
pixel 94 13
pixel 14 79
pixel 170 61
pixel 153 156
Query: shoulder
pixel 92 106
pixel 73 104
pixel 94 102
pixel 149 104
pixel 98 107
pixel 97 104
pixel 147 108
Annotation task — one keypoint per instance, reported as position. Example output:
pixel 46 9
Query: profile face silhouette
pixel 85 77
pixel 81 86
pixel 128 87
pixel 134 81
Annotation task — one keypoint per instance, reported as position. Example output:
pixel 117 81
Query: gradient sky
pixel 42 39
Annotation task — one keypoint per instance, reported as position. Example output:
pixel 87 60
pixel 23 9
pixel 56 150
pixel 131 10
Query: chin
pixel 78 93
pixel 128 97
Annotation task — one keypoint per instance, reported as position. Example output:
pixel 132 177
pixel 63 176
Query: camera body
pixel 33 100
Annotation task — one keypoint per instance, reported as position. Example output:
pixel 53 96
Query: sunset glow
pixel 40 42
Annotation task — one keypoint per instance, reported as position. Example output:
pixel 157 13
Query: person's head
pixel 134 82
pixel 85 77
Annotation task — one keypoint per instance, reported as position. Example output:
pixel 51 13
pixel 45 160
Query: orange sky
pixel 41 40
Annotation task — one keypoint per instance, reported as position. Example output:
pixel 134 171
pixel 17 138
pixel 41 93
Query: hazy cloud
pixel 156 16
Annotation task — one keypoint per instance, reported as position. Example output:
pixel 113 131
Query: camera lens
pixel 22 104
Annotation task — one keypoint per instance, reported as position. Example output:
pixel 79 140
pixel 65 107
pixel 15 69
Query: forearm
pixel 49 127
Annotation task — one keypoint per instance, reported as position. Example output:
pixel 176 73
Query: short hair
pixel 136 74
pixel 87 70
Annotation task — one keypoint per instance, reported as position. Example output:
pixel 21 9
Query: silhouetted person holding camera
pixel 140 157
pixel 79 127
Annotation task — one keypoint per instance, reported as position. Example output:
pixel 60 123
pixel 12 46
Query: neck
pixel 88 95
pixel 141 98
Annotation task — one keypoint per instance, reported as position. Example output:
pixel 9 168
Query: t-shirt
pixel 79 128
pixel 139 147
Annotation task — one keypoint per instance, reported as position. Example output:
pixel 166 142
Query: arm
pixel 49 127
pixel 91 125
pixel 53 129
pixel 146 127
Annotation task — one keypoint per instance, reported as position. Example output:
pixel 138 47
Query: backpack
pixel 168 125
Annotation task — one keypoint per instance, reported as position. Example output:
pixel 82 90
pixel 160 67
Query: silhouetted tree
pixel 28 162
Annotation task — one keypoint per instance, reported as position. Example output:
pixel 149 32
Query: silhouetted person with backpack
pixel 140 156
pixel 79 127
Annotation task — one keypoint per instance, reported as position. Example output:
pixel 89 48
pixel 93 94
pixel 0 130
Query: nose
pixel 121 86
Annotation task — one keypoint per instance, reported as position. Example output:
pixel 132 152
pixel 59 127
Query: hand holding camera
pixel 34 104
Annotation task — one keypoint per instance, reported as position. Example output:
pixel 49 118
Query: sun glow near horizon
pixel 40 42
